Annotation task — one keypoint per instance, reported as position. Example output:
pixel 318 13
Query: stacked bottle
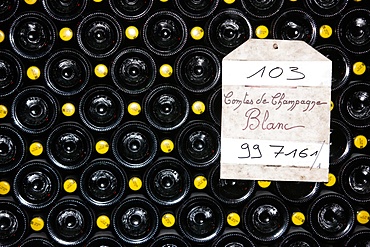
pixel 110 117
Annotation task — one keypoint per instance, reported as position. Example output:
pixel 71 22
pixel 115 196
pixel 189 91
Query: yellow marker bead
pixel 262 32
pixel 102 147
pixel 200 182
pixel 163 1
pixel 357 0
pixel 197 33
pixel 132 32
pixel 101 70
pixel 134 108
pixel 4 188
pixel 298 218
pixel 233 219
pixel 168 220
pixel 103 222
pixel 165 70
pixel 36 149
pixel 30 2
pixel 359 68
pixel 3 111
pixel 264 184
pixel 37 224
pixel 229 1
pixel 331 105
pixel 68 109
pixel 360 141
pixel 97 1
pixel 331 180
pixel 198 107
pixel 326 31
pixel 363 217
pixel 70 185
pixel 167 146
pixel 33 73
pixel 66 34
pixel 135 183
pixel 2 36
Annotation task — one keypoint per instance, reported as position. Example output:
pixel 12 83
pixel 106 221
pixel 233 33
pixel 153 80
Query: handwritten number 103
pixel 251 153
pixel 277 72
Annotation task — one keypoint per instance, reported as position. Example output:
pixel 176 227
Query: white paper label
pixel 275 112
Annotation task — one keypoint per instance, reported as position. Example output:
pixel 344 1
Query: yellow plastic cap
pixel 168 220
pixel 66 34
pixel 360 141
pixel 233 219
pixel 229 1
pixel 102 147
pixel 163 1
pixel 262 32
pixel 298 218
pixel 167 146
pixel 36 148
pixel 200 182
pixel 97 1
pixel 132 32
pixel 165 70
pixel 134 108
pixel 30 2
pixel 331 105
pixel 331 180
pixel 197 33
pixel 2 36
pixel 68 109
pixel 103 222
pixel 37 224
pixel 325 31
pixel 70 185
pixel 33 73
pixel 264 184
pixel 4 188
pixel 135 183
pixel 3 111
pixel 101 70
pixel 198 107
pixel 363 217
pixel 359 68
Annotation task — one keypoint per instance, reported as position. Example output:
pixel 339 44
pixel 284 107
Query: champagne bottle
pixel 69 222
pixel 12 149
pixel 69 145
pixel 103 240
pixel 32 35
pixel 233 239
pixel 38 241
pixel 299 238
pixel 227 30
pixel 67 72
pixel 166 107
pixel 326 8
pixel 199 144
pixel 169 240
pixel 11 73
pixel 294 24
pixel 341 142
pixel 134 145
pixel 355 179
pixel 358 239
pixel 297 192
pixel 200 219
pixel 331 216
pixel 167 182
pixel 64 10
pixel 354 104
pixel 197 9
pixel 131 10
pixel 214 105
pixel 103 183
pixel 34 110
pixel 135 221
pixel 165 33
pixel 266 218
pixel 36 185
pixel 133 70
pixel 101 108
pixel 262 9
pixel 99 35
pixel 198 69
pixel 8 9
pixel 13 223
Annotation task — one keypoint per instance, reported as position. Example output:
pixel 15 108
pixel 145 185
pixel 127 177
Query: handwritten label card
pixel 275 112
